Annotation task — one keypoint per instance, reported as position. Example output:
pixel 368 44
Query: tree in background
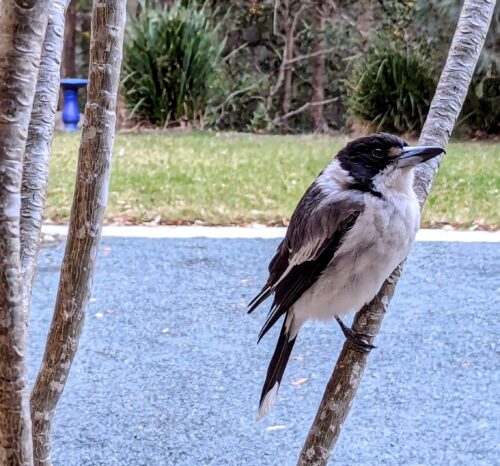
pixel 273 76
pixel 69 51
pixel 318 80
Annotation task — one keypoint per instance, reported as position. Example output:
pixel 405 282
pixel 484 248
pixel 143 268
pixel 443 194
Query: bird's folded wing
pixel 316 230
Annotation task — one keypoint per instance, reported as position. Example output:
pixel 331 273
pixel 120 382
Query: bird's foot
pixel 356 338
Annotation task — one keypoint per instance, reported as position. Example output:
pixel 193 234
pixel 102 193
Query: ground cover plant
pixel 225 179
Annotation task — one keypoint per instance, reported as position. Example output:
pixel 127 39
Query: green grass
pixel 226 179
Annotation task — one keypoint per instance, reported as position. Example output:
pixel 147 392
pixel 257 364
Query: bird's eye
pixel 377 153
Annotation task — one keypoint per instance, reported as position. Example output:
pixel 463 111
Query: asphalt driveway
pixel 169 373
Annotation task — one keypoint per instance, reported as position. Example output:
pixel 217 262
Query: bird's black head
pixel 364 158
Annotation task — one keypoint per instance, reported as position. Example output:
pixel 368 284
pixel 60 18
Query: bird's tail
pixel 276 368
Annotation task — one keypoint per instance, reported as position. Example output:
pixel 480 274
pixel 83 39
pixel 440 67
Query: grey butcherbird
pixel 350 230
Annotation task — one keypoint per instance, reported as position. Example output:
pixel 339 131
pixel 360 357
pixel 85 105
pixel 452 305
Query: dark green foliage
pixel 392 88
pixel 482 107
pixel 488 115
pixel 256 32
pixel 170 61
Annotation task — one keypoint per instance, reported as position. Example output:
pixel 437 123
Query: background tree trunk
pixel 69 50
pixel 38 147
pixel 450 94
pixel 288 55
pixel 22 29
pixel 318 80
pixel 87 213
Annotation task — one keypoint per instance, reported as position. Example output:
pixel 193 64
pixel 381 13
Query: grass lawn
pixel 226 179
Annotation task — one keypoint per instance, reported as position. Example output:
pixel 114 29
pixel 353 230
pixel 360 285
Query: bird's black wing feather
pixel 316 230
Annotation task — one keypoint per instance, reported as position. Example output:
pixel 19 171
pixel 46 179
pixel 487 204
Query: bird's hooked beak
pixel 412 156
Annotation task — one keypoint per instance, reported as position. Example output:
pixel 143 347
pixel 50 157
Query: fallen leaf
pixel 277 427
pixel 107 251
pixel 301 381
pixel 297 358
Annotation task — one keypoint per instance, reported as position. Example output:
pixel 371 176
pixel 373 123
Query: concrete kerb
pixel 197 231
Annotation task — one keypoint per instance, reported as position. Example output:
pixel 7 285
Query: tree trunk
pixel 87 214
pixel 69 50
pixel 318 81
pixel 22 29
pixel 450 94
pixel 38 147
pixel 288 55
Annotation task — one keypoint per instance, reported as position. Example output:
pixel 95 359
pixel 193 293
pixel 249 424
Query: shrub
pixel 170 61
pixel 482 107
pixel 391 88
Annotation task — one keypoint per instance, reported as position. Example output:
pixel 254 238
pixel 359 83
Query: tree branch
pixel 38 146
pixel 87 214
pixel 451 91
pixel 233 52
pixel 289 39
pixel 231 96
pixel 310 55
pixel 303 108
pixel 22 29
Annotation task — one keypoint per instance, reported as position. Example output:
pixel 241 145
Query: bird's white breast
pixel 377 243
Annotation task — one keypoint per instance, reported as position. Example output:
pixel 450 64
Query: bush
pixel 482 107
pixel 170 60
pixel 391 88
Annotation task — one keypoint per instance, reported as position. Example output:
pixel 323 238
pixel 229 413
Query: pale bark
pixel 22 28
pixel 450 94
pixel 87 214
pixel 38 147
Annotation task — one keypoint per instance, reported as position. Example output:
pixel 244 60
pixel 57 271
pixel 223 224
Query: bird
pixel 352 227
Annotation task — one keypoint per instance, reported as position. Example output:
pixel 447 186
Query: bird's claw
pixel 356 338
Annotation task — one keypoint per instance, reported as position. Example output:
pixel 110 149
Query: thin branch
pixel 289 36
pixel 296 18
pixel 38 147
pixel 309 55
pixel 234 94
pixel 275 16
pixel 451 91
pixel 303 108
pixel 87 214
pixel 231 96
pixel 233 52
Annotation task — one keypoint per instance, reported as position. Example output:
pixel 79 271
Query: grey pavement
pixel 169 373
